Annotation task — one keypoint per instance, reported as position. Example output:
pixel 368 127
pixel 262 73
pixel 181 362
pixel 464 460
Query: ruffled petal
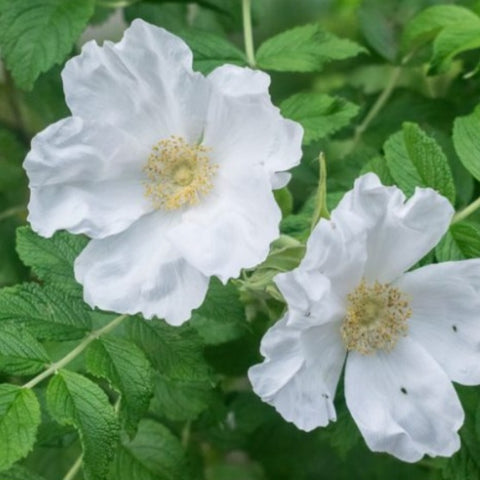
pixel 283 358
pixel 445 303
pixel 85 178
pixel 310 298
pixel 144 84
pixel 246 128
pixel 399 232
pixel 338 250
pixel 140 271
pixel 300 373
pixel 233 227
pixel 403 402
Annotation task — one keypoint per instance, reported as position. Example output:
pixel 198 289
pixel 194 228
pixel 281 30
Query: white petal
pixel 144 84
pixel 310 298
pixel 245 127
pixel 283 358
pixel 140 271
pixel 403 402
pixel 338 250
pixel 300 373
pixel 445 303
pixel 399 233
pixel 232 228
pixel 85 178
pixel 239 81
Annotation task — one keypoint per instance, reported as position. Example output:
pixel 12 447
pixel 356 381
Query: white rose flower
pixel 168 171
pixel 403 337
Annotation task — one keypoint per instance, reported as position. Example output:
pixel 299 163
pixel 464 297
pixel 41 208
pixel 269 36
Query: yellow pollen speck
pixel 376 318
pixel 178 173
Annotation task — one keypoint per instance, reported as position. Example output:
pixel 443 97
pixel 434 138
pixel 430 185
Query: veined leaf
pixel 18 472
pixel 466 138
pixel 211 51
pixel 154 454
pixel 52 259
pixel 45 311
pixel 320 115
pixel 452 41
pixel 36 34
pixel 20 352
pixel 415 159
pixel 221 317
pixel 184 385
pixel 429 22
pixel 19 420
pixel 125 366
pixel 304 49
pixel 460 242
pixel 74 400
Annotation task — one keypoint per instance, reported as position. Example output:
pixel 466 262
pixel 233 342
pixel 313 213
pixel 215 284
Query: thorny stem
pixel 72 473
pixel 321 210
pixel 11 212
pixel 247 32
pixel 75 352
pixel 468 210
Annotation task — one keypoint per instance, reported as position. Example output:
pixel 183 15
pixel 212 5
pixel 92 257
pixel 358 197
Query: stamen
pixel 376 318
pixel 178 173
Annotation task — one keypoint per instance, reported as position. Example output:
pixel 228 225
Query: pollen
pixel 178 173
pixel 377 317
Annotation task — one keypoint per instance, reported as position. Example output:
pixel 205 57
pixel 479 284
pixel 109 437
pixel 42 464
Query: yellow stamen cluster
pixel 178 173
pixel 376 318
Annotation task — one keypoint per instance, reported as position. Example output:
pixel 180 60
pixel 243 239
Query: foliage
pixel 387 86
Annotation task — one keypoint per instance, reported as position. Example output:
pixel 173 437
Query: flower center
pixel 178 173
pixel 376 318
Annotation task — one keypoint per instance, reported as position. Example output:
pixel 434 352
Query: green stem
pixel 379 104
pixel 247 32
pixel 11 212
pixel 321 210
pixel 467 211
pixel 72 473
pixel 54 367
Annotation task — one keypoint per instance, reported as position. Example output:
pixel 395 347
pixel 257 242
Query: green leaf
pixel 74 400
pixel 379 166
pixel 18 472
pixel 211 51
pixel 221 317
pixel 466 139
pixel 465 464
pixel 20 352
pixel 171 16
pixel 46 312
pixel 452 41
pixel 304 49
pixel 284 199
pixel 460 242
pixel 52 258
pixel 415 159
pixel 154 454
pixel 182 400
pixel 320 115
pixel 379 24
pixel 183 383
pixel 429 22
pixel 19 421
pixel 37 34
pixel 127 369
